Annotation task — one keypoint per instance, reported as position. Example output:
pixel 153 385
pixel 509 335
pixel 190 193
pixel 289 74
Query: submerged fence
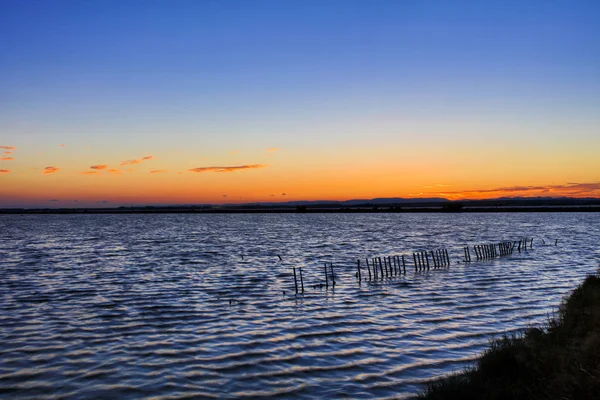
pixel 390 266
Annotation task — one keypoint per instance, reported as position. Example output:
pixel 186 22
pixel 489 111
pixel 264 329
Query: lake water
pixel 176 306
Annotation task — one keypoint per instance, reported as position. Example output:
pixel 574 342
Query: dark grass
pixel 558 361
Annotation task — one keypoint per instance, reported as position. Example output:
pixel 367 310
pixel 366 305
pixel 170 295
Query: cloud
pixel 8 147
pixel 91 173
pixel 99 167
pixel 227 169
pixel 114 171
pixel 51 170
pixel 129 162
pixel 591 189
pixel 62 145
pixel 272 150
pixel 4 171
pixel 158 171
pixel 8 153
pixel 7 158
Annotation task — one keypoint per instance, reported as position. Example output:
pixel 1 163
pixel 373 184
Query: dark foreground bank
pixel 560 361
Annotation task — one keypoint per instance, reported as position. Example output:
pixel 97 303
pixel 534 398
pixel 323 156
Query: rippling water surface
pixel 173 306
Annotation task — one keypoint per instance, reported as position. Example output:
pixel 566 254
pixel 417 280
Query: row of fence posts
pixel 385 267
pixel 523 244
pixel 380 268
pixel 489 251
pixel 390 266
pixel 439 258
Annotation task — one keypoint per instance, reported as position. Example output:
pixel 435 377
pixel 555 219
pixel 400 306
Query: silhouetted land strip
pixel 351 206
pixel 559 361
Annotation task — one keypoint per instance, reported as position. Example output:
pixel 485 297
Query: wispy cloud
pixel 8 153
pixel 8 147
pixel 591 189
pixel 7 158
pixel 4 171
pixel 436 185
pixel 129 162
pixel 272 150
pixel 158 171
pixel 99 167
pixel 51 170
pixel 91 173
pixel 114 171
pixel 62 145
pixel 227 169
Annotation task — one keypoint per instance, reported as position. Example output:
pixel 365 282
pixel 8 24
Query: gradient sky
pixel 148 102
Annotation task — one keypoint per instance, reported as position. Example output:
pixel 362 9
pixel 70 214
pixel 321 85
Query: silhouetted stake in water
pixel 326 279
pixel 415 259
pixel 380 267
pixel 358 270
pixel 556 242
pixel 301 280
pixel 295 280
pixel 279 257
pixel 403 265
pixel 332 274
pixel 368 269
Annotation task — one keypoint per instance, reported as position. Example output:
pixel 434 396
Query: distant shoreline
pixel 302 210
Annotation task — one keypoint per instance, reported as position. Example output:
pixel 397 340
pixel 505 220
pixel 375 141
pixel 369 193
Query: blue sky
pixel 216 76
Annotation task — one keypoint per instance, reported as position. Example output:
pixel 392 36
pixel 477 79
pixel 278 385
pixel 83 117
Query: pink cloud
pixel 8 147
pixel 51 170
pixel 7 158
pixel 114 171
pixel 158 171
pixel 591 189
pixel 129 162
pixel 99 167
pixel 4 171
pixel 8 152
pixel 227 169
pixel 91 173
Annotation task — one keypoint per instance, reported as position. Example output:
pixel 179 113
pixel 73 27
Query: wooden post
pixel 435 263
pixel 332 274
pixel 427 259
pixel 368 269
pixel 403 264
pixel 358 268
pixel 415 259
pixel 326 279
pixel 295 280
pixel 301 280
pixel 447 257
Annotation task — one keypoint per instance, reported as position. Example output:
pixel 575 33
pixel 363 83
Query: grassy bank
pixel 558 361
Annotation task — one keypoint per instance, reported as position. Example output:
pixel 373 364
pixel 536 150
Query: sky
pixel 109 103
